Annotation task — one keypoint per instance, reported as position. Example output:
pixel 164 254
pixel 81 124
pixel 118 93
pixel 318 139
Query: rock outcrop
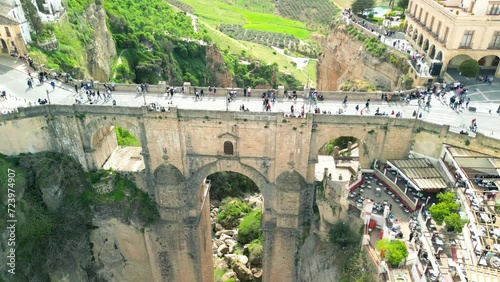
pixel 101 48
pixel 344 58
pixel 215 63
pixel 119 252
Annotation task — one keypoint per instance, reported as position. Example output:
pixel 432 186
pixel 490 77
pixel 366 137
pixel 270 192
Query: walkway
pixel 13 81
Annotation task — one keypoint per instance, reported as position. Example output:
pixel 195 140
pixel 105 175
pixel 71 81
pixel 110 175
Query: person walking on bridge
pixel 345 101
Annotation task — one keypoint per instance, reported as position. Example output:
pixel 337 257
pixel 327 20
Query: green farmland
pixel 218 12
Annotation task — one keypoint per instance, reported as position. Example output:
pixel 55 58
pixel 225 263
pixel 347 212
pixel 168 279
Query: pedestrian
pixel 244 92
pixel 215 91
pixel 291 109
pixel 201 92
pixel 357 108
pixel 467 103
pixel 344 103
pixel 76 88
pixel 53 84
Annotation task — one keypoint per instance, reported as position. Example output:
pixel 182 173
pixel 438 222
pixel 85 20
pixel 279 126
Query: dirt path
pixel 119 61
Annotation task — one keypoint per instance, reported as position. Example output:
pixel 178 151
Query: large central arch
pixel 184 203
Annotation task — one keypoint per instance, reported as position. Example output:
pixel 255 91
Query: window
pixel 447 30
pixel 438 28
pixel 7 31
pixel 228 148
pixel 425 19
pixel 415 10
pixel 467 39
pixel 420 15
pixel 495 42
pixel 432 23
pixel 410 6
pixel 493 9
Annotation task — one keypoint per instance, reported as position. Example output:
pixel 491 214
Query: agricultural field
pixel 256 21
pixel 270 39
pixel 218 12
pixel 313 12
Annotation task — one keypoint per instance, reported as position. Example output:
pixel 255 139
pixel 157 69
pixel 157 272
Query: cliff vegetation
pixel 55 205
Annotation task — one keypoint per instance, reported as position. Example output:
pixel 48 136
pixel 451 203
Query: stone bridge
pixel 181 148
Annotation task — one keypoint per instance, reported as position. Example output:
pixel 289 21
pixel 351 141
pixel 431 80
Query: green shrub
pixel 394 251
pixel 249 228
pixel 231 211
pixel 343 237
pixel 469 68
pixel 125 138
pixel 256 253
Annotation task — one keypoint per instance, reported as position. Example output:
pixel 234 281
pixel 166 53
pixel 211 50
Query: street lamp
pixel 48 98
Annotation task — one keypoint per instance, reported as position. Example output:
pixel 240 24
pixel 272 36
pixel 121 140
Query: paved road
pixel 13 77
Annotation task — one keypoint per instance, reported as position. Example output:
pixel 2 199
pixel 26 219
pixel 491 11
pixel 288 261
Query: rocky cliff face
pixel 101 48
pixel 216 64
pixel 314 265
pixel 344 59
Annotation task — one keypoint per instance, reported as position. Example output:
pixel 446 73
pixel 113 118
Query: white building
pixel 48 10
pixel 13 9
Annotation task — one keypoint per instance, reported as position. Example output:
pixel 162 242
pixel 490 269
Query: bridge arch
pixel 103 143
pixel 232 165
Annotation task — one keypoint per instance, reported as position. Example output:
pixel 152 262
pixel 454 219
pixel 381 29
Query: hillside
pixel 130 41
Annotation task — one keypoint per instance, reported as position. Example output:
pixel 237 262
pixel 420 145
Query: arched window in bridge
pixel 228 148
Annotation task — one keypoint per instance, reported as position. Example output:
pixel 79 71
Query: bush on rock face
pixel 249 228
pixel 256 253
pixel 230 211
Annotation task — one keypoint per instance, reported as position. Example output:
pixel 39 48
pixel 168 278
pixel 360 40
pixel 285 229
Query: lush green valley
pixel 155 42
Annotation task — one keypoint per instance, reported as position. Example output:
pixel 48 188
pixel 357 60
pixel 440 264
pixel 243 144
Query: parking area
pixel 374 189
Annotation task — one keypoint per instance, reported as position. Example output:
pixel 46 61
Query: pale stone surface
pixel 341 61
pixel 101 49
pixel 121 249
pixel 222 250
pixel 181 243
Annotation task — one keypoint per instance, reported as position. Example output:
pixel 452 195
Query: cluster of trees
pixel 394 251
pixel 258 74
pixel 362 6
pixel 156 39
pixel 353 263
pixel 446 210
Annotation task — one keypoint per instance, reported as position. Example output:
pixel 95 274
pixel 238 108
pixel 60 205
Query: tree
pixel 469 68
pixel 31 14
pixel 454 222
pixel 403 4
pixel 360 6
pixel 395 251
pixel 439 212
pixel 344 237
